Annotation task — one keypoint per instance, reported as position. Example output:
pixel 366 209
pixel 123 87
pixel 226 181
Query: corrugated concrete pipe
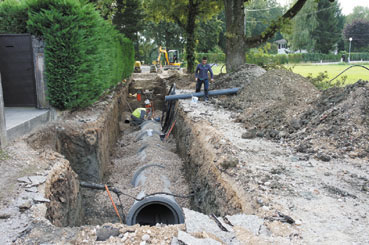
pixel 162 209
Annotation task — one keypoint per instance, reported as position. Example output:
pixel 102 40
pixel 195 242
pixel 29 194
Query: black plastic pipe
pixel 201 94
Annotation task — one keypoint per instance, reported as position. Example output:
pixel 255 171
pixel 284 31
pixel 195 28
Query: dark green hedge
pixel 84 54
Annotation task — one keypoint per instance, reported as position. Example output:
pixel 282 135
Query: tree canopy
pixel 186 14
pixel 328 31
pixel 358 30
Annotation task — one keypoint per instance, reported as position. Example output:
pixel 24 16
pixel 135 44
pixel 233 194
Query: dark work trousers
pixel 206 87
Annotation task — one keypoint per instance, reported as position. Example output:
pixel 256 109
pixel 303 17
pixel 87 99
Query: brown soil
pixel 182 81
pixel 281 105
pixel 273 100
pixel 338 123
pixel 245 74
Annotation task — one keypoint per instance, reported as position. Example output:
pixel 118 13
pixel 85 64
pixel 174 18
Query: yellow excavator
pixel 171 59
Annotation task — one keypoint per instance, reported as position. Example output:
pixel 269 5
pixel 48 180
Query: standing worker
pixel 201 75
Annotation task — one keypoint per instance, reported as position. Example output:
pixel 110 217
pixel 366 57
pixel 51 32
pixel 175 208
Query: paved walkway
pixel 21 120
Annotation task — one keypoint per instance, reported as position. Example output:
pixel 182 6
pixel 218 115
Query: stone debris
pixel 249 222
pixel 190 240
pixel 37 180
pixel 4 215
pixel 24 180
pixel 40 199
pixel 32 180
pixel 25 206
pixel 32 189
pixel 105 232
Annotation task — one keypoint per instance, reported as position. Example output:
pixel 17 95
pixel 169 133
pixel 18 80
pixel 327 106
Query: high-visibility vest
pixel 139 113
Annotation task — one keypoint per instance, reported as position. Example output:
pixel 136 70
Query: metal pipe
pixel 201 94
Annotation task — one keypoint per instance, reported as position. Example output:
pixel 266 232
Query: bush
pixel 261 58
pixel 84 54
pixel 13 17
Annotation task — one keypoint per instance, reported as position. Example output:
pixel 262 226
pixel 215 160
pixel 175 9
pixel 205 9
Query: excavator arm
pixel 164 52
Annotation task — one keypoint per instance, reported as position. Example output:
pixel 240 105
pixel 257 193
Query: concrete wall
pixel 39 67
pixel 3 137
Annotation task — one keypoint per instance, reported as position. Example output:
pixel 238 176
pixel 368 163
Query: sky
pixel 346 5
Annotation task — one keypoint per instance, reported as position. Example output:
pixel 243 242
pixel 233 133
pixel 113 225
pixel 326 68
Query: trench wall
pixel 87 146
pixel 84 139
pixel 213 193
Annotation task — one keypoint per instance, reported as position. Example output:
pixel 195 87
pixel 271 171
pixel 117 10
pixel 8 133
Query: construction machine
pixel 171 58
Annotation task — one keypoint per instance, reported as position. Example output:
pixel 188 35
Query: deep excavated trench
pixel 134 163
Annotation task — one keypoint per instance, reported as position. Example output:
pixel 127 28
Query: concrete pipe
pixel 157 209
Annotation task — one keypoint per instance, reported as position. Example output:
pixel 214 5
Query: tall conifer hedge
pixel 84 54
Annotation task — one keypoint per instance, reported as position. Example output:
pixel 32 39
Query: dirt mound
pixel 182 81
pixel 273 101
pixel 338 123
pixel 239 78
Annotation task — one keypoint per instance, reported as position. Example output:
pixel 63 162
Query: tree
pixel 300 37
pixel 259 14
pixel 207 34
pixel 358 13
pixel 359 32
pixel 327 32
pixel 105 7
pixel 128 19
pixel 236 41
pixel 185 13
pixel 163 33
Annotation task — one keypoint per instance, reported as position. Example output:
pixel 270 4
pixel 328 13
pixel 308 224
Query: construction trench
pixel 119 173
pixel 189 179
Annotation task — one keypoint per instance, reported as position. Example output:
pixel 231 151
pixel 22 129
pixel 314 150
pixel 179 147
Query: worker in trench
pixel 202 77
pixel 140 115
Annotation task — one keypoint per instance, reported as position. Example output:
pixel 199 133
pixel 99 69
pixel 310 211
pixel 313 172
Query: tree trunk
pixel 190 32
pixel 235 30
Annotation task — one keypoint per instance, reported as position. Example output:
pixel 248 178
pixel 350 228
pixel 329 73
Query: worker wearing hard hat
pixel 201 74
pixel 139 115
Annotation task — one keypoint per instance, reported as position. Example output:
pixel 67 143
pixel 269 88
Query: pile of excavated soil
pixel 338 123
pixel 182 81
pixel 273 101
pixel 281 104
pixel 239 78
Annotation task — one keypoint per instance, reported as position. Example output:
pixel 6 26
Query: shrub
pixel 261 58
pixel 84 54
pixel 13 17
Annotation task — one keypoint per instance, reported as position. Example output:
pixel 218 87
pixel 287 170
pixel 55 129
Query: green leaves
pixel 84 54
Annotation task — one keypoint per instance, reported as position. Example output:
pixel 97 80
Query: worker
pixel 202 77
pixel 139 115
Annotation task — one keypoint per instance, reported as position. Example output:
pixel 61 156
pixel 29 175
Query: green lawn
pixel 353 74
